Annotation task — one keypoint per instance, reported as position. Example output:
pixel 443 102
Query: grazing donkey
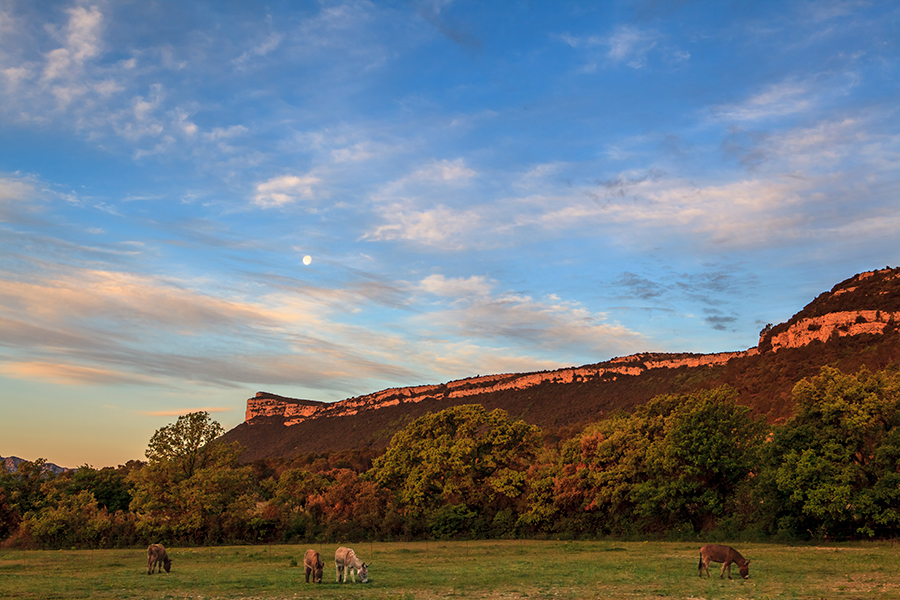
pixel 725 555
pixel 157 559
pixel 313 563
pixel 345 561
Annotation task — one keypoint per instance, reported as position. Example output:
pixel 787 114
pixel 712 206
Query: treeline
pixel 679 466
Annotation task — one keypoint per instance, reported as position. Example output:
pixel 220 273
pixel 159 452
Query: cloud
pixel 431 12
pixel 641 287
pixel 630 45
pixel 126 328
pixel 178 412
pixel 272 41
pixel 776 100
pixel 286 189
pixel 474 313
pixel 442 286
pixel 440 227
pixel 355 153
pixel 626 44
pixel 68 374
pixel 442 171
pixel 82 43
pixel 410 212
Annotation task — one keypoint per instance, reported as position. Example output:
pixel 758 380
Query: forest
pixel 678 467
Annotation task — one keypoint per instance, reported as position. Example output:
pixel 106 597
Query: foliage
pixel 109 486
pixel 186 444
pixel 463 456
pixel 69 520
pixel 677 466
pixel 833 468
pixel 676 460
pixel 192 489
pixel 23 488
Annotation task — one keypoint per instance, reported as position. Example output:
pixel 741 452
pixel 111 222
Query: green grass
pixel 489 569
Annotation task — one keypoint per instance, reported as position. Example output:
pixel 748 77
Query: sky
pixel 202 200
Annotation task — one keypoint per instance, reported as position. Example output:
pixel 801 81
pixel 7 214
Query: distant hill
pixel 853 325
pixel 11 464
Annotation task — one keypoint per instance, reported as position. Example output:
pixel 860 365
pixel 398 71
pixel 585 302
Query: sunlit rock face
pixel 868 303
pixel 295 411
pixel 841 324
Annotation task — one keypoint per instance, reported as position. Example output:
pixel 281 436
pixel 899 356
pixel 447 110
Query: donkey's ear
pixel 747 563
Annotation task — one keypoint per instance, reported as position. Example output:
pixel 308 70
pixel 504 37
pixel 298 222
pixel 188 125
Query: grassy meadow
pixel 484 569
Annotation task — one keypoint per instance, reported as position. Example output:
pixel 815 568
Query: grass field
pixel 489 569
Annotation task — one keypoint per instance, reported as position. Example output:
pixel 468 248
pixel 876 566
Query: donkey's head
pixel 363 573
pixel 744 570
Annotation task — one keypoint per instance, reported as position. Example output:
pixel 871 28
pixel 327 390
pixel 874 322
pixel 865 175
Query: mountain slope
pixel 853 325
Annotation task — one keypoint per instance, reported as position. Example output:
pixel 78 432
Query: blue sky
pixel 480 187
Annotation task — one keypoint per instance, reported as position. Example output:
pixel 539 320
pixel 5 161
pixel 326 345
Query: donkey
pixel 345 561
pixel 313 564
pixel 157 559
pixel 725 555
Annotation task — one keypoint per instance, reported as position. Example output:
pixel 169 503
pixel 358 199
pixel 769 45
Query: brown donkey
pixel 313 565
pixel 157 558
pixel 725 555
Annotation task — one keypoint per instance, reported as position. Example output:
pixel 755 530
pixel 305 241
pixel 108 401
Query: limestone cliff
pixel 296 411
pixel 868 303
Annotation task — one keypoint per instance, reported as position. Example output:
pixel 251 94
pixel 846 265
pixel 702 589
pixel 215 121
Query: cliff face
pixel 851 322
pixel 867 304
pixel 297 411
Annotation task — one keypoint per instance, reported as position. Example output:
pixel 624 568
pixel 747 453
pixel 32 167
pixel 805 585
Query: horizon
pixel 321 200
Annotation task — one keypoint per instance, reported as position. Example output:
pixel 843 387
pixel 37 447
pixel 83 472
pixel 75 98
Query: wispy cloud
pixel 776 100
pixel 69 374
pixel 455 287
pixel 631 46
pixel 82 42
pixel 510 319
pixel 178 412
pixel 626 44
pixel 269 44
pixel 440 227
pixel 285 189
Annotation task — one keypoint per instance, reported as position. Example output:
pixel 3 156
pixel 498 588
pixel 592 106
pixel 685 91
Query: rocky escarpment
pixel 868 303
pixel 295 411
pixel 853 325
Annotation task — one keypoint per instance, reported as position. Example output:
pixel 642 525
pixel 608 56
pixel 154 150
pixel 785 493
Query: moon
pixel 307 259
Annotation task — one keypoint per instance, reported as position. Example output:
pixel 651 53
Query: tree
pixel 677 460
pixel 108 485
pixel 710 445
pixel 463 456
pixel 834 465
pixel 68 519
pixel 187 443
pixel 192 487
pixel 23 488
